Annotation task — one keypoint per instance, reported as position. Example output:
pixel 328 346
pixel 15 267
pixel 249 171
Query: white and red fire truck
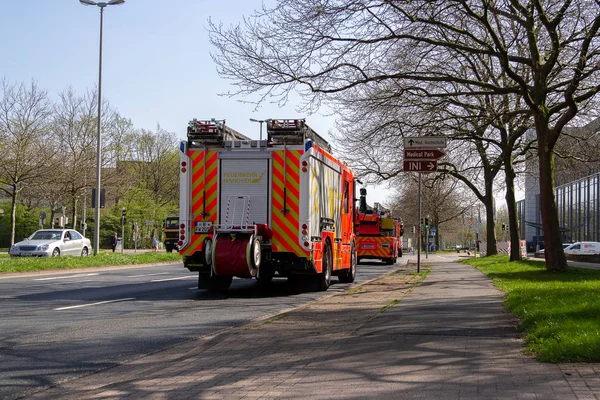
pixel 263 208
pixel 378 234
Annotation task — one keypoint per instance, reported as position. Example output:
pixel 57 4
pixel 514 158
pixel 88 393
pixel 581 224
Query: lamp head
pixel 115 2
pixel 87 2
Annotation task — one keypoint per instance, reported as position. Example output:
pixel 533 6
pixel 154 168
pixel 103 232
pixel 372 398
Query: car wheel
pixel 84 252
pixel 56 252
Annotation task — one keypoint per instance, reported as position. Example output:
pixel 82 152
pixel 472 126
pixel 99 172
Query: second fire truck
pixel 378 234
pixel 261 208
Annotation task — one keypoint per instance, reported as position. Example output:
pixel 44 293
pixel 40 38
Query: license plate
pixel 202 226
pixel 368 246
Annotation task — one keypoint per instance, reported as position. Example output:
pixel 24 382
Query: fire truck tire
pixel 265 274
pixel 324 278
pixel 349 275
pixel 399 252
pixel 217 283
pixel 389 261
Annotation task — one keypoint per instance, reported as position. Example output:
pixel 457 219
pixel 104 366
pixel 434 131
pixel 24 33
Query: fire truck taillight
pixel 182 237
pixel 304 166
pixel 183 166
pixel 304 226
pixel 306 244
pixel 182 226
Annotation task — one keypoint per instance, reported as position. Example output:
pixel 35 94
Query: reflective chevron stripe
pixel 286 224
pixel 203 208
pixel 372 246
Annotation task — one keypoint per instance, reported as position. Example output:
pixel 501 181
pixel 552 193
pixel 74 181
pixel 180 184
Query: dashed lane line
pixel 93 304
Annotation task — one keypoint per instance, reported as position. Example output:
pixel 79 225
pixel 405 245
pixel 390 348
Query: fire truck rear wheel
pixel 217 283
pixel 265 274
pixel 324 278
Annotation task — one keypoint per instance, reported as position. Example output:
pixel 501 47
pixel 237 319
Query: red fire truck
pixel 378 234
pixel 264 208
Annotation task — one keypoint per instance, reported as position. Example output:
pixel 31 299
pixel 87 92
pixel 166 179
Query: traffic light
pixel 123 214
pixel 503 227
pixel 422 220
pixel 426 223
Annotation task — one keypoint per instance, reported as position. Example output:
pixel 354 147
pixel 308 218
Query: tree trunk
pixel 488 202
pixel 553 250
pixel 511 205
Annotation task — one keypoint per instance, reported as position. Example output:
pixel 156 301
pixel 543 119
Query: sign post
pixel 421 155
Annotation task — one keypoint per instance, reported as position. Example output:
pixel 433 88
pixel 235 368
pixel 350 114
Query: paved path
pixel 448 337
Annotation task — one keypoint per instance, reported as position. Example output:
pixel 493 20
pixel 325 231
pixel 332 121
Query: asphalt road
pixel 57 326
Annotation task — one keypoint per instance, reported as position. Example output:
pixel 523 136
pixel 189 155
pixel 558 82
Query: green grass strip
pixel 559 311
pixel 102 259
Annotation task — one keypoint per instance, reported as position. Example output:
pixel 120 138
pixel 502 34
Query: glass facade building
pixel 578 208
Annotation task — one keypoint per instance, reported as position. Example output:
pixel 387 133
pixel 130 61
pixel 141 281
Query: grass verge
pixel 559 311
pixel 104 258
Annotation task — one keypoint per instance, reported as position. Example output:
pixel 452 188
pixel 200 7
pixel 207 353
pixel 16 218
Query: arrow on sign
pixel 420 166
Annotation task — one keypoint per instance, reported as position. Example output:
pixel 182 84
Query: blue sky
pixel 156 60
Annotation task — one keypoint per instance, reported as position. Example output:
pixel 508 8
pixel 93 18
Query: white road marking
pixel 93 304
pixel 173 279
pixel 64 277
pixel 137 276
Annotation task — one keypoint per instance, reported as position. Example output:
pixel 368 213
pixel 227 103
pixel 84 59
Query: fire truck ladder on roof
pixel 213 131
pixel 293 131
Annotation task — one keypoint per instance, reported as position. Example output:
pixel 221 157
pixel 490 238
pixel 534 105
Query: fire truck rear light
pixel 304 231
pixel 182 237
pixel 180 243
pixel 182 226
pixel 304 163
pixel 304 226
pixel 182 231
pixel 183 163
pixel 304 169
pixel 305 244
pixel 183 169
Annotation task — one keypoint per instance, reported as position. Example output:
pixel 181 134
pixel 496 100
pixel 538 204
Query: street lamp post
pixel 100 4
pixel 260 121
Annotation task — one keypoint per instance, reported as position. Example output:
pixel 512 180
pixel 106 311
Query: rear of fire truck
pixel 378 234
pixel 264 208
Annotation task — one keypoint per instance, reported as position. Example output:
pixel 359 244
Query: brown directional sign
pixel 420 166
pixel 423 154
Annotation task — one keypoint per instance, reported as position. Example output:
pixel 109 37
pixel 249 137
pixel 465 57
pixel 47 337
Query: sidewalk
pixel 448 337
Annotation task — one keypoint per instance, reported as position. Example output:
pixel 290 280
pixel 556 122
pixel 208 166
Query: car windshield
pixel 172 223
pixel 46 235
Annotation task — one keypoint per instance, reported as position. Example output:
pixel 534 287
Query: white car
pixel 583 248
pixel 52 243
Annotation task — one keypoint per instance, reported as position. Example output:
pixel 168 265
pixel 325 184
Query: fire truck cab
pixel 264 208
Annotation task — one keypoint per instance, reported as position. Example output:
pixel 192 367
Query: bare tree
pixel 75 133
pixel 547 49
pixel 157 164
pixel 27 156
